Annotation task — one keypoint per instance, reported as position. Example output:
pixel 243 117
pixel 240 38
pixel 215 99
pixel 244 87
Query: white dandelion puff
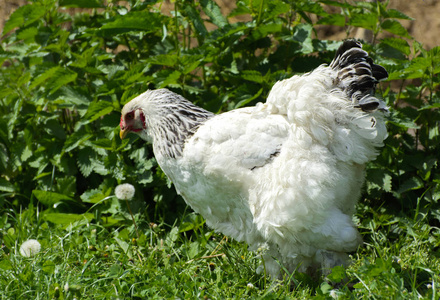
pixel 125 191
pixel 334 294
pixel 30 248
pixel 250 285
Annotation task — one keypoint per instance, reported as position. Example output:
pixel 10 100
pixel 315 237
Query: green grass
pixel 88 261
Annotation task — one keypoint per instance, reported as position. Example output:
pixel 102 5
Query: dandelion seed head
pixel 125 191
pixel 250 285
pixel 333 294
pixel 30 248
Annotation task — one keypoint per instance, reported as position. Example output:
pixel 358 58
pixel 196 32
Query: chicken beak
pixel 123 133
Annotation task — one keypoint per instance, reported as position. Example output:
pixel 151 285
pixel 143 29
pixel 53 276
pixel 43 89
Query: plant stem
pixel 132 217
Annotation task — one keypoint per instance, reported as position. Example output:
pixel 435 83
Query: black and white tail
pixel 357 75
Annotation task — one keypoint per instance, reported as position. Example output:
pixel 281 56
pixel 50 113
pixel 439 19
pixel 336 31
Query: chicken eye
pixel 130 116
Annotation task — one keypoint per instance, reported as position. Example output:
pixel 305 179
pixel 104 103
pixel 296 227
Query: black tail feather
pixel 357 74
pixel 379 72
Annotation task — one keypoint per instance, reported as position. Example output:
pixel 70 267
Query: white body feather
pixel 298 202
pixel 284 175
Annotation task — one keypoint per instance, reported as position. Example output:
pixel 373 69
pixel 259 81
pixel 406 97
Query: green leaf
pixel 76 139
pixel 241 9
pixel 116 270
pixel 24 16
pixel 97 109
pixel 50 198
pixel 191 222
pixel 265 30
pixel 133 21
pixel 417 68
pixel 74 95
pixel 4 158
pixel 251 75
pixel 214 13
pixel 48 267
pixel 84 160
pixel 99 167
pixel 365 20
pixel 302 32
pixel 400 45
pixel 115 166
pixel 247 100
pixel 196 20
pixel 379 179
pixel 139 155
pixel 311 7
pixel 302 35
pixel 123 244
pixel 82 3
pixel 26 154
pixel 53 127
pixel 194 249
pixel 50 73
pixel 62 78
pixel 337 3
pixel 413 183
pixel 6 265
pixel 325 288
pixel 144 176
pixel 276 8
pixel 171 80
pixel 6 186
pixel 404 124
pixel 169 60
pixel 172 236
pixel 395 14
pixel 333 19
pixel 394 27
pixel 84 59
pixel 28 34
pixel 191 64
pixel 122 145
pixel 338 274
pixel 430 107
pixel 60 218
pixel 103 143
pixel 95 195
pixel 54 78
pixel 228 32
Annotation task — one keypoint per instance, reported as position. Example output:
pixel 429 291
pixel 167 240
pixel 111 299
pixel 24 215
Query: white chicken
pixel 284 175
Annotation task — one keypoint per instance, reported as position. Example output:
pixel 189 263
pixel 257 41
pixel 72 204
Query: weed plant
pixel 67 72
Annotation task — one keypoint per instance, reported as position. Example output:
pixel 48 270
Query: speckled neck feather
pixel 176 119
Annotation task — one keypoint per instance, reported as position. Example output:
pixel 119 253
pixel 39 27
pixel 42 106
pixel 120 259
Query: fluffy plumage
pixel 284 175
